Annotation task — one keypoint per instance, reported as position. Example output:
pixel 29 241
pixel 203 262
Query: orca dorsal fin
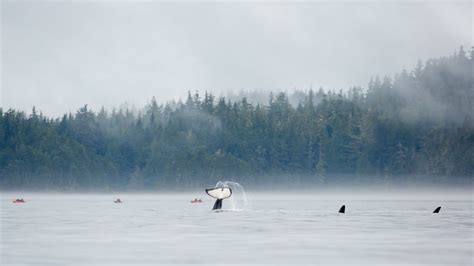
pixel 342 209
pixel 437 210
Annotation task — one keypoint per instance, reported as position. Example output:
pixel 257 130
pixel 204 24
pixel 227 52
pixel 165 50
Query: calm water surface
pixel 278 228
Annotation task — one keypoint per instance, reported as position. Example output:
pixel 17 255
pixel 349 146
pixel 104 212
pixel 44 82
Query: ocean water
pixel 265 228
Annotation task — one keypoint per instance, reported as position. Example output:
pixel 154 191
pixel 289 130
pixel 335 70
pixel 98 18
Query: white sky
pixel 60 55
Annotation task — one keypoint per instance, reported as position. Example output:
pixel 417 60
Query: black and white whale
pixel 219 193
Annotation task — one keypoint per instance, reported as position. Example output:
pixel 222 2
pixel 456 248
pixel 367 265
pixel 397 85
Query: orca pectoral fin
pixel 217 205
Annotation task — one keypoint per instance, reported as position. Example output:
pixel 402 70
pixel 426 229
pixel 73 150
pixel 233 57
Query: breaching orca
pixel 437 210
pixel 342 209
pixel 219 193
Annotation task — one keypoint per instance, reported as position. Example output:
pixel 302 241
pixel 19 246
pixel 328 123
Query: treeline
pixel 417 125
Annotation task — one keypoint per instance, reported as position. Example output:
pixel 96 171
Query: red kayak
pixel 19 201
pixel 196 201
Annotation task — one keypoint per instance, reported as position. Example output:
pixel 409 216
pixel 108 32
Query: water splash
pixel 238 201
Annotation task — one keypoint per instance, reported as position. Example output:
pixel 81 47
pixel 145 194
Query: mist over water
pixel 278 228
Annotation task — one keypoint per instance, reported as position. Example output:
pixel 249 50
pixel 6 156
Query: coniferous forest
pixel 416 126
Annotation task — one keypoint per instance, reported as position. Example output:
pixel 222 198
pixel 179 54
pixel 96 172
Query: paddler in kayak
pixel 19 201
pixel 118 201
pixel 196 200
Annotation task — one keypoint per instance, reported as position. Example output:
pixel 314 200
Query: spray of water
pixel 238 201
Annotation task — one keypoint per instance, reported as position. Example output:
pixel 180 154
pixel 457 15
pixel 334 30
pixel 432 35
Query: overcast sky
pixel 61 55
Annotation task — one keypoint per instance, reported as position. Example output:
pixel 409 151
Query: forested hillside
pixel 417 125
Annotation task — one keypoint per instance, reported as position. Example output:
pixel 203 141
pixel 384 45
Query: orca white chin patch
pixel 219 192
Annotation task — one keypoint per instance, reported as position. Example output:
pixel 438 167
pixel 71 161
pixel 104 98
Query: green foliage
pixel 418 124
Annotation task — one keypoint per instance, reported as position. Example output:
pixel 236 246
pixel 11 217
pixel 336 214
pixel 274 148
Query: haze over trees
pixel 415 126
